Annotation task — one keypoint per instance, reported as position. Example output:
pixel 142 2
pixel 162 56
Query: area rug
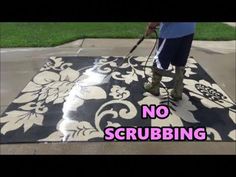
pixel 58 106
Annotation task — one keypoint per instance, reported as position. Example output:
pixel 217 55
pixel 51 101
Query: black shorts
pixel 174 51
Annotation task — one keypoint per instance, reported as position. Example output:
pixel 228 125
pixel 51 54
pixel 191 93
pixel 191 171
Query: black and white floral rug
pixel 58 104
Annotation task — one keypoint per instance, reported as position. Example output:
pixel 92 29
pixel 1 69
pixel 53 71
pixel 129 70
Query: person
pixel 175 41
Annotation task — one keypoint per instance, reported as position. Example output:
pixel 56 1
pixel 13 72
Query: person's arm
pixel 151 27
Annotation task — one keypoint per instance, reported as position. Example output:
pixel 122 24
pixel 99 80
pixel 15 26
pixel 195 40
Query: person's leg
pixel 153 87
pixel 185 44
pixel 179 62
pixel 166 51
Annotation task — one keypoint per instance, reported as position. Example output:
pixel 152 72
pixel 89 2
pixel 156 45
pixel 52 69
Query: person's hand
pixel 151 28
pixel 149 31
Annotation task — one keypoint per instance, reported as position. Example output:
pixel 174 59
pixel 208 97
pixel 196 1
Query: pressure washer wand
pixel 131 51
pixel 139 41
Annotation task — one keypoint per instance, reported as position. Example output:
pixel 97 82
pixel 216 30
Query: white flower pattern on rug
pixel 211 95
pixel 72 130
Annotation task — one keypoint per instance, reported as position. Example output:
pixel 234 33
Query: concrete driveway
pixel 19 65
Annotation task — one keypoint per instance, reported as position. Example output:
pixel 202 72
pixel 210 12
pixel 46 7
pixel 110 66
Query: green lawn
pixel 52 34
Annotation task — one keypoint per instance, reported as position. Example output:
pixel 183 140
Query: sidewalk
pixel 223 47
pixel 233 24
